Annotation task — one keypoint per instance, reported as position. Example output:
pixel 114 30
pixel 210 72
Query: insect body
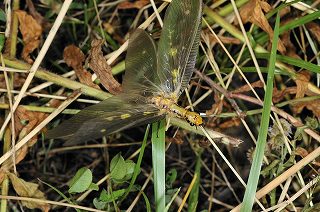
pixel 154 79
pixel 169 106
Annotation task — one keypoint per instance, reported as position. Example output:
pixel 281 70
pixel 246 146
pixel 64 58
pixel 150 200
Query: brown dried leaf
pixel 286 40
pixel 246 88
pixel 314 29
pixel 138 4
pixel 31 118
pixel 100 66
pixel 27 189
pixel 302 87
pixel 31 32
pixel 284 11
pixel 19 79
pixel 216 108
pixel 253 12
pixel 314 106
pixel 74 58
pixel 278 95
pixel 302 81
pixel 234 122
pixel 301 152
pixel 108 27
pixel 225 40
pixel 37 16
pixel 19 156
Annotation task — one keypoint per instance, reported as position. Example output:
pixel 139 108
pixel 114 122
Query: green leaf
pixel 94 187
pixel 2 16
pixel 118 168
pixel 121 170
pixel 171 177
pixel 81 181
pixel 99 204
pixel 130 169
pixel 106 198
pixel 2 41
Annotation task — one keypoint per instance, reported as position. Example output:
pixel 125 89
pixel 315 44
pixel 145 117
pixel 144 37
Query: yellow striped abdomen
pixel 170 106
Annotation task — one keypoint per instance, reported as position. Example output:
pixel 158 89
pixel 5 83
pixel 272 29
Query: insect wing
pixel 109 116
pixel 178 45
pixel 141 62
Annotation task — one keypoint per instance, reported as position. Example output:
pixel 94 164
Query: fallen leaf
pixel 100 66
pixel 138 4
pixel 246 88
pixel 217 107
pixel 302 81
pixel 234 122
pixel 301 152
pixel 253 12
pixel 37 16
pixel 31 32
pixel 74 58
pixel 108 27
pixel 284 11
pixel 278 95
pixel 25 121
pixel 314 29
pixel 314 106
pixel 27 189
pixel 18 80
pixel 286 40
pixel 224 39
pixel 177 139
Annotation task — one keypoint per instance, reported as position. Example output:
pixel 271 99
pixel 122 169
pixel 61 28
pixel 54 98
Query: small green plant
pixel 82 181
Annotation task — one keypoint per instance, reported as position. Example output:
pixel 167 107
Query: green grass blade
pixel 194 194
pixel 263 132
pixel 172 199
pixel 290 26
pixel 158 163
pixel 146 200
pixel 293 61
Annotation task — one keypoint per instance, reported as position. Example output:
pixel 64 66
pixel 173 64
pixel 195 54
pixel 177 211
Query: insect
pixel 154 79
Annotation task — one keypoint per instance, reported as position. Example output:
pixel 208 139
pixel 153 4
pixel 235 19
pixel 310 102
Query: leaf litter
pixel 116 23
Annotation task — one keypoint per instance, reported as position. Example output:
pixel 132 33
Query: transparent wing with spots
pixel 141 62
pixel 178 45
pixel 111 115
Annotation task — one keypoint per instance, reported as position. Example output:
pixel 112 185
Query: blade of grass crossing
pixel 261 143
pixel 148 207
pixel 172 199
pixel 158 163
